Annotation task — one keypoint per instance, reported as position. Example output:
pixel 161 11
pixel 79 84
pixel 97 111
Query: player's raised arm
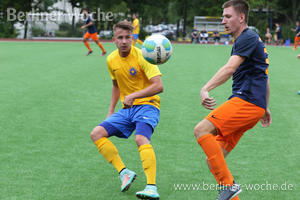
pixel 218 79
pixel 87 25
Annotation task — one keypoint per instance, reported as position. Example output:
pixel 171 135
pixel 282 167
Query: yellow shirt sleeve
pixel 111 73
pixel 149 69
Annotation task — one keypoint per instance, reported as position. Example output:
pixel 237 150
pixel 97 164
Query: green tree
pixel 75 4
pixel 7 26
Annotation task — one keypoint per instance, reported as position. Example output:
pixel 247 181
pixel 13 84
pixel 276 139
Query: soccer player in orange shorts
pixel 221 130
pixel 90 33
pixel 297 36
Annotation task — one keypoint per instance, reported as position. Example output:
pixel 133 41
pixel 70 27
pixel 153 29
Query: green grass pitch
pixel 52 96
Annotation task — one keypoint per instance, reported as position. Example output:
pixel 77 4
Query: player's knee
pixel 94 133
pixel 141 140
pixel 97 133
pixel 204 127
pixel 198 130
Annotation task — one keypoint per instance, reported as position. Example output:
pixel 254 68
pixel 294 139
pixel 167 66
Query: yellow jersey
pixel 136 24
pixel 133 73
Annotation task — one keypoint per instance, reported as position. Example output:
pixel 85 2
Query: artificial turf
pixel 52 96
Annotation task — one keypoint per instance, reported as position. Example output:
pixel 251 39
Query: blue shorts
pixel 142 118
pixel 135 36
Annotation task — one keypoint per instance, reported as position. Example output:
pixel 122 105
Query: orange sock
pixel 88 46
pixel 236 198
pixel 295 43
pixel 216 159
pixel 101 46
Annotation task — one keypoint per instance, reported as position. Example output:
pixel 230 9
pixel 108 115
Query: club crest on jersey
pixel 132 71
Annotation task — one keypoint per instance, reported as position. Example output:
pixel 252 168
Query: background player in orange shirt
pixel 137 83
pixel 297 36
pixel 90 33
pixel 221 130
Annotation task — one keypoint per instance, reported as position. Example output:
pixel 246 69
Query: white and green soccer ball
pixel 157 49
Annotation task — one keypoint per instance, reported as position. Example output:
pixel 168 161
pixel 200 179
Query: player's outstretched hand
pixel 82 27
pixel 266 119
pixel 128 101
pixel 207 102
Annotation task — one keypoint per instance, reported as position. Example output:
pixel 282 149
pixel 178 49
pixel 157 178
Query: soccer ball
pixel 157 49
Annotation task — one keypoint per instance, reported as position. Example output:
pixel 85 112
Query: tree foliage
pixel 263 14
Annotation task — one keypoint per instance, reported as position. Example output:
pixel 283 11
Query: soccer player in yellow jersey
pixel 136 30
pixel 137 83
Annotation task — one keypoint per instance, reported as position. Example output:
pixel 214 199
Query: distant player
pixel 90 33
pixel 216 36
pixel 137 83
pixel 136 30
pixel 278 34
pixel 221 130
pixel 297 36
pixel 195 36
pixel 268 36
pixel 203 36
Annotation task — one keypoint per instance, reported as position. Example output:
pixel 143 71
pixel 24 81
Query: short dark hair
pixel 240 6
pixel 86 9
pixel 126 25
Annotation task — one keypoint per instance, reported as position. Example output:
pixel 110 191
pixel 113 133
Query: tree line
pixel 264 13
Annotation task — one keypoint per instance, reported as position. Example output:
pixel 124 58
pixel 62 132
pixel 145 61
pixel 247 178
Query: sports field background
pixel 52 96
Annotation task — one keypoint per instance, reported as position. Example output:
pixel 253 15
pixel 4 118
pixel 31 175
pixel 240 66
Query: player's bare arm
pixel 115 95
pixel 87 25
pixel 266 120
pixel 218 79
pixel 156 87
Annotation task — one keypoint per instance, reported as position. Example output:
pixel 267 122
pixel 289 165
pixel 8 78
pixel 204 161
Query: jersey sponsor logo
pixel 132 71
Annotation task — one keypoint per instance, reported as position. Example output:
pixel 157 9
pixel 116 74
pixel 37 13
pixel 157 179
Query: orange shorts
pixel 297 39
pixel 232 119
pixel 88 35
